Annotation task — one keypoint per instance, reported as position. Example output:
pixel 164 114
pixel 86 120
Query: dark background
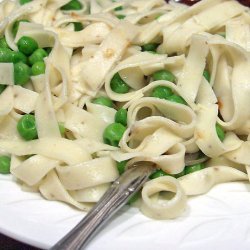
pixel 7 243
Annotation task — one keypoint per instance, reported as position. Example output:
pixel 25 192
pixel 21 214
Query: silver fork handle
pixel 115 197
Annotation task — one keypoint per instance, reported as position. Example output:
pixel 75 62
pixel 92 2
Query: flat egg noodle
pixel 56 148
pixel 239 80
pixel 157 208
pixel 95 172
pixel 79 169
pixel 91 194
pixel 6 73
pixel 34 169
pixel 52 189
pixel 147 63
pixel 190 81
pixel 6 101
pixel 238 32
pixel 8 128
pixel 211 176
pixel 192 22
pixel 108 52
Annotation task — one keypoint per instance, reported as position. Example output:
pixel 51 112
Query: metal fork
pixel 115 197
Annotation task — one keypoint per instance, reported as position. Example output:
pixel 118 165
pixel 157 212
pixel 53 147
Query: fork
pixel 115 197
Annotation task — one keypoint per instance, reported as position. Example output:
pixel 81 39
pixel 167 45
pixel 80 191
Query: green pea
pixel 220 132
pixel 37 56
pixel 3 43
pixel 22 2
pixel 26 127
pixel 113 134
pixel 120 16
pixel 121 166
pixel 176 98
pixel 18 56
pixel 61 128
pixel 118 85
pixel 27 45
pixel 157 173
pixel 78 26
pixel 194 168
pixel 121 116
pixel 162 92
pixel 2 88
pixel 206 74
pixel 72 5
pixel 164 75
pixel 38 68
pixel 5 55
pixel 104 101
pixel 4 164
pixel 134 198
pixel 150 47
pixel 118 8
pixel 21 73
pixel 16 26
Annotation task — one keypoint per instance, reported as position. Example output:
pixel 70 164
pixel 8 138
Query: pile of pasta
pixel 79 167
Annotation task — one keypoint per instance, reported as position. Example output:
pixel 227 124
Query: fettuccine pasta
pixel 105 84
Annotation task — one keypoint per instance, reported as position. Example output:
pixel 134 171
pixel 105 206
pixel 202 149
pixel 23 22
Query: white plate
pixel 217 220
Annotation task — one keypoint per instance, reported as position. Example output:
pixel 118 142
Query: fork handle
pixel 115 197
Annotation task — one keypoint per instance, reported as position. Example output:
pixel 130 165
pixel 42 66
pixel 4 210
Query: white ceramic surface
pixel 217 220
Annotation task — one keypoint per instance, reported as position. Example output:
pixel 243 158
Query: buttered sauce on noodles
pixel 78 167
